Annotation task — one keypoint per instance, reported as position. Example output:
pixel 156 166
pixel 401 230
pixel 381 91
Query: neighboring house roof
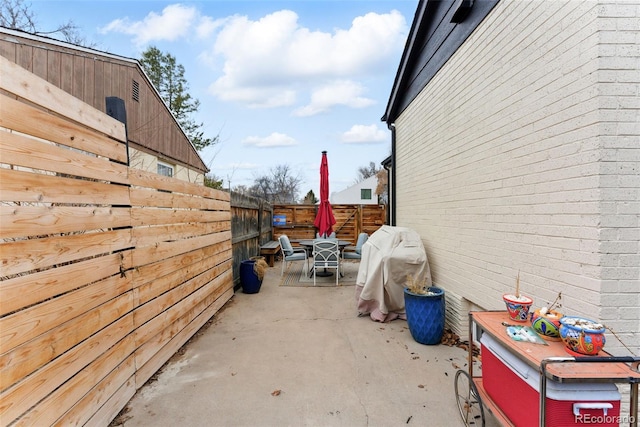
pixel 150 123
pixel 439 28
pixel 353 194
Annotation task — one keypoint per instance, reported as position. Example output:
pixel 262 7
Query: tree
pixel 212 181
pixel 242 189
pixel 382 189
pixel 279 186
pixel 365 172
pixel 168 78
pixel 310 198
pixel 17 15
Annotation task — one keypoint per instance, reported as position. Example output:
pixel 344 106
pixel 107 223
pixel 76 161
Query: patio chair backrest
pixel 285 243
pixel 331 236
pixel 326 253
pixel 362 238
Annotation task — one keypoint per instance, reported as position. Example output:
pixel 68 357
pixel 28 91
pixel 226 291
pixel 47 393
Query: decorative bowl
pixel 581 335
pixel 518 307
pixel 547 325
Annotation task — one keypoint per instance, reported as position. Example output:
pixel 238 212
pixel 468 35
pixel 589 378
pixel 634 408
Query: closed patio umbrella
pixel 324 219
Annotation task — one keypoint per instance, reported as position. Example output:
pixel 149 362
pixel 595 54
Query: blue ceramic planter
pixel 425 315
pixel 248 278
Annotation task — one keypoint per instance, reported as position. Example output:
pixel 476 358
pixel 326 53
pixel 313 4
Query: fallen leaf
pixel 276 392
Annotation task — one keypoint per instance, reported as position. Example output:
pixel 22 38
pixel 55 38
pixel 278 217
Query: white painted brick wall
pixel 526 146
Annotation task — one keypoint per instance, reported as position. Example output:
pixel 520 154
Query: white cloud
pixel 173 23
pixel 362 134
pixel 274 140
pixel 261 57
pixel 343 92
pixel 207 26
pixel 268 62
pixel 255 97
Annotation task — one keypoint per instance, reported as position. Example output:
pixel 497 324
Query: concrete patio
pixel 300 356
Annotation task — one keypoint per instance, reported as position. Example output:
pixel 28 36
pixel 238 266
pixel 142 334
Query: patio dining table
pixel 308 245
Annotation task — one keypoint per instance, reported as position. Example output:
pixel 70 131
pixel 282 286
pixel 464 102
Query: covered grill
pixel 388 257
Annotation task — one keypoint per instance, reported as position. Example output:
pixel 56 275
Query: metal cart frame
pixel 610 369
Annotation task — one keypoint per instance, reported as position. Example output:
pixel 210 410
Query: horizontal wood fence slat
pixel 42 124
pixel 20 150
pixel 20 186
pixel 106 270
pixel 140 196
pixel 103 371
pixel 49 283
pixel 23 221
pixel 150 180
pixel 28 392
pixel 35 321
pixel 21 256
pixel 147 216
pixel 168 272
pixel 143 236
pixel 25 85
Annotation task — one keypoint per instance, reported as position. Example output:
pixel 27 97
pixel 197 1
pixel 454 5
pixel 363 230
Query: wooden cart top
pixel 533 354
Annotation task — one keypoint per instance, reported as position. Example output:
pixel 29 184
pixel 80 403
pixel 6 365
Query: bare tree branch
pixel 279 186
pixel 18 15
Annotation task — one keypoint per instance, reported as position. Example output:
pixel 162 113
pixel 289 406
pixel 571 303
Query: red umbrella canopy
pixel 324 219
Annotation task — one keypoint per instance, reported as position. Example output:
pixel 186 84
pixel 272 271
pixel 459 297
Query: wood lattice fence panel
pixel 106 270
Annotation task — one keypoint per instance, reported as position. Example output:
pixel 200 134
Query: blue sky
pixel 278 81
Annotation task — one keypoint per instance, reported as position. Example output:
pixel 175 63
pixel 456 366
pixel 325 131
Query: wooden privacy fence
pixel 250 227
pixel 254 222
pixel 296 221
pixel 106 271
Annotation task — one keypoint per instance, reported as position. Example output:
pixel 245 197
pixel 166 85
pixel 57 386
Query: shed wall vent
pixel 135 91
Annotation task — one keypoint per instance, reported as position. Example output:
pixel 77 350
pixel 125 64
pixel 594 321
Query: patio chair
pixel 289 253
pixel 326 255
pixel 357 253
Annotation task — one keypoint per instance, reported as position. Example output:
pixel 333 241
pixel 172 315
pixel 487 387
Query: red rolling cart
pixel 524 383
